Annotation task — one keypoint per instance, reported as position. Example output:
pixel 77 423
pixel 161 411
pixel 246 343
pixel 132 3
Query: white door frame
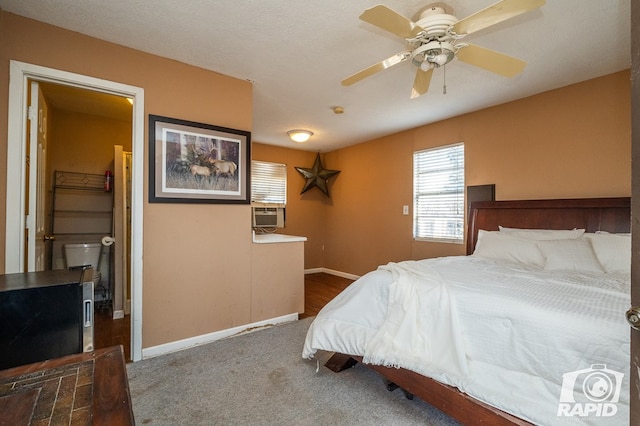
pixel 19 73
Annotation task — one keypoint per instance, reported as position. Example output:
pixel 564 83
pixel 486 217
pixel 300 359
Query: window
pixel 438 194
pixel 268 183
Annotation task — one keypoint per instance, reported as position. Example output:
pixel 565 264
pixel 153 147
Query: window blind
pixel 268 183
pixel 438 190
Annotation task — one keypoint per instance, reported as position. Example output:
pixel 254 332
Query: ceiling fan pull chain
pixel 444 84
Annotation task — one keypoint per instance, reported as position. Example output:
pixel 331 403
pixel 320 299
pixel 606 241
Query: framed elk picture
pixel 198 163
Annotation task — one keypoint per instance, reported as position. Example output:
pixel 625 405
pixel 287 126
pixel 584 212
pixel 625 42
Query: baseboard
pixel 332 272
pixel 341 274
pixel 179 345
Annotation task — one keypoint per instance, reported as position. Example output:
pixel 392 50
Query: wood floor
pixel 109 332
pixel 319 289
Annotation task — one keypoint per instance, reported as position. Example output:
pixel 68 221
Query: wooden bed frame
pixel 591 214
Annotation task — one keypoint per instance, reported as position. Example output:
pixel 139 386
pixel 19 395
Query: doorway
pixel 87 137
pixel 18 186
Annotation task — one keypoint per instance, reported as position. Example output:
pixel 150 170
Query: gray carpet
pixel 261 379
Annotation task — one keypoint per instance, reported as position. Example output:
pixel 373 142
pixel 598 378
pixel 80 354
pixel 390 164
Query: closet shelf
pixel 88 234
pixel 80 207
pixel 91 212
pixel 79 181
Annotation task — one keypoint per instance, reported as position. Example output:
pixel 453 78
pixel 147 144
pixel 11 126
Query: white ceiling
pixel 296 52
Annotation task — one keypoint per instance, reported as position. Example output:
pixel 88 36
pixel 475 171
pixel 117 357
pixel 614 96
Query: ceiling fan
pixel 435 40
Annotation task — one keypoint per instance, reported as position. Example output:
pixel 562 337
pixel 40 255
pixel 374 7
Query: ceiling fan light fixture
pixel 435 53
pixel 300 135
pixel 441 59
pixel 426 65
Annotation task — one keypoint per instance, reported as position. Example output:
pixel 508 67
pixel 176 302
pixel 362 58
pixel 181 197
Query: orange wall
pixel 193 285
pixel 305 212
pixel 84 143
pixel 570 142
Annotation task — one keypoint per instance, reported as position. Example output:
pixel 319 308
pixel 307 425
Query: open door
pixel 634 415
pixel 37 246
pixel 121 218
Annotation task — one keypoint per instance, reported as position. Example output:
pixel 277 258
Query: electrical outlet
pixel 405 210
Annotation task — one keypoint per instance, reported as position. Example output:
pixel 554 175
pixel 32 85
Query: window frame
pixel 458 195
pixel 256 167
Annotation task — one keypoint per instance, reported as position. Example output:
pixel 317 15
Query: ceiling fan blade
pixel 421 82
pixel 390 20
pixel 491 60
pixel 382 65
pixel 494 14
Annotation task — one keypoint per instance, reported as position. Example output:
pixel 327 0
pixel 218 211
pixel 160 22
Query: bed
pixel 527 328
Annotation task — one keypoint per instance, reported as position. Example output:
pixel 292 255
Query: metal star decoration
pixel 316 176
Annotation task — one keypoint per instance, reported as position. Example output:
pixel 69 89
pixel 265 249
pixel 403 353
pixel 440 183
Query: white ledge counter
pixel 277 238
pixel 277 280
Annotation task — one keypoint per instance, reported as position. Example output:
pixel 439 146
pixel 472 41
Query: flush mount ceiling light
pixel 300 135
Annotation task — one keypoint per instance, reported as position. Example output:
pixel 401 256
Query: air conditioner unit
pixel 268 217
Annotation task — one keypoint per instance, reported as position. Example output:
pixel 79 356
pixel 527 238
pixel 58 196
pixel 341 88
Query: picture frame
pixel 192 162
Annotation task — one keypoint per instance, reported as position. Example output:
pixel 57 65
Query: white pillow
pixel 543 234
pixel 571 254
pixel 612 250
pixel 501 246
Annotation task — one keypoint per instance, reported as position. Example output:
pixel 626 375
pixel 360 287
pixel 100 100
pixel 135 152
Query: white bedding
pixel 502 332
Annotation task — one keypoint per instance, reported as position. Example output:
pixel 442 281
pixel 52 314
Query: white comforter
pixel 502 332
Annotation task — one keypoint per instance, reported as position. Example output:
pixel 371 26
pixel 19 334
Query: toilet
pixel 78 255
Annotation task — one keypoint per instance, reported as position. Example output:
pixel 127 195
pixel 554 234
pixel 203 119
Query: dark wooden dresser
pixel 90 388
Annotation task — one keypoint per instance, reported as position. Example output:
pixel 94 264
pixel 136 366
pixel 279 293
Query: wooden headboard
pixel 591 214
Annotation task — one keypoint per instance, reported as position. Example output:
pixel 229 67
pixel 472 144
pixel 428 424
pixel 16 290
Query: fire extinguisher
pixel 107 180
